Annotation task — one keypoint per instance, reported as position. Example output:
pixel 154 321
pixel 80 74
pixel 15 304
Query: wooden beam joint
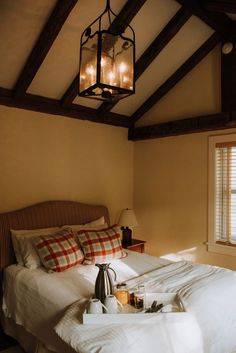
pixel 220 22
pixel 177 76
pixel 220 5
pixel 183 126
pixel 53 106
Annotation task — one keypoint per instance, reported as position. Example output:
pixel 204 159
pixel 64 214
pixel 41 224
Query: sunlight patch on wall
pixel 187 254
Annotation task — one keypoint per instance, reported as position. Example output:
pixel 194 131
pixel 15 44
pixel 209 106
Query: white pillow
pixel 25 252
pixel 96 224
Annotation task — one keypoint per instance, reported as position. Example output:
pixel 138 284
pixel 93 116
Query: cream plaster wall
pixel 170 197
pixel 45 157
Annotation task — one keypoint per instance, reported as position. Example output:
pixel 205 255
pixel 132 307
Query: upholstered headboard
pixel 42 215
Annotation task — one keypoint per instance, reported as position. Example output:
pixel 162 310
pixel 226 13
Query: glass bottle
pixel 122 293
pixel 143 290
pixel 139 297
pixel 131 292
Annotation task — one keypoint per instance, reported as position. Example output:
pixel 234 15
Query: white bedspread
pixel 208 293
pixel 172 333
pixel 38 300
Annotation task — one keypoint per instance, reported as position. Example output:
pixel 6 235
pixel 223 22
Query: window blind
pixel 225 206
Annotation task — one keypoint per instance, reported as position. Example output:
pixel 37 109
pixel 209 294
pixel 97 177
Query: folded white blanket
pixel 171 333
pixel 208 294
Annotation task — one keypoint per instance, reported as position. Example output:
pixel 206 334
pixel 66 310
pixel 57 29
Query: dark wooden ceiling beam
pixel 184 126
pixel 53 106
pixel 218 21
pixel 228 75
pixel 162 39
pixel 177 76
pixel 43 44
pixel 220 5
pixel 71 92
pixel 125 16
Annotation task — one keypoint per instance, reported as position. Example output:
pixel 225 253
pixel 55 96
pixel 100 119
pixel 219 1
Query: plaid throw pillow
pixel 101 245
pixel 59 252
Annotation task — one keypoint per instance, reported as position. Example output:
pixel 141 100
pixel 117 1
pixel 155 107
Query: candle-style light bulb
pixel 111 77
pixel 91 72
pixel 103 62
pixel 122 68
pixel 103 65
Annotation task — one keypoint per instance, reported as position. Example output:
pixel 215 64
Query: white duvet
pixel 171 333
pixel 47 301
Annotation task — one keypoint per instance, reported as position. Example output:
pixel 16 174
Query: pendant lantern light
pixel 107 57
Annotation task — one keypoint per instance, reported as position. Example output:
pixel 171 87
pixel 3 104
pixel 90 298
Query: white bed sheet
pixel 208 294
pixel 36 299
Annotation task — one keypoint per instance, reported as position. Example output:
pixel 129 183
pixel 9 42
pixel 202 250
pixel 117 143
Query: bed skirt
pixel 26 340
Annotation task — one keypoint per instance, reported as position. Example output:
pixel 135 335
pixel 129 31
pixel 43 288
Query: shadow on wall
pixel 187 254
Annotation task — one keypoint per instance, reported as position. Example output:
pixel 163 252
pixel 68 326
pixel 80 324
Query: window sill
pixel 222 249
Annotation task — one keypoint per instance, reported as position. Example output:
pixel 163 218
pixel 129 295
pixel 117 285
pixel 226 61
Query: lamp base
pixel 127 236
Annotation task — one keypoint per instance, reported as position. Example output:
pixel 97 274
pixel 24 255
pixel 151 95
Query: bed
pixel 43 310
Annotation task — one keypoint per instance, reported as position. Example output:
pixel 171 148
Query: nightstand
pixel 136 245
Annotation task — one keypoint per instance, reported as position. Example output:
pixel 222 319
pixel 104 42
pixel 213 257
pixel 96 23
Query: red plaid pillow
pixel 59 252
pixel 101 245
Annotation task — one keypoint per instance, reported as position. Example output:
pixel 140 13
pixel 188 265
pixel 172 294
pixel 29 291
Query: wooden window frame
pixel 214 245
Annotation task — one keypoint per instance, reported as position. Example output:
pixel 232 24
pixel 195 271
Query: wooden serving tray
pixel 131 315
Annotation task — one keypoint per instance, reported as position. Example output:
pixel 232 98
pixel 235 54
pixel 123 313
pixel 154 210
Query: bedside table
pixel 136 245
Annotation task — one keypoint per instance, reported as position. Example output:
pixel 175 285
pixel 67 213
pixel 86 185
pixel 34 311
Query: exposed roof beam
pixel 220 6
pixel 177 76
pixel 127 13
pixel 228 76
pixel 218 21
pixel 184 126
pixel 71 92
pixel 162 39
pixel 43 44
pixel 53 106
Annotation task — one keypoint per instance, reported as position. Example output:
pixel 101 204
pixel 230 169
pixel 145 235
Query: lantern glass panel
pixel 117 61
pixel 88 63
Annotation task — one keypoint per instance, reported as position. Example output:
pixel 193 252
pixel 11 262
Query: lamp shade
pixel 127 218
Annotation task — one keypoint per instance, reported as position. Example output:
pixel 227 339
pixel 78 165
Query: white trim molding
pixel 221 249
pixel 212 245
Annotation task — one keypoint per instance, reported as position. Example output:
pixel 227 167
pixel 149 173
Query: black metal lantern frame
pixel 107 59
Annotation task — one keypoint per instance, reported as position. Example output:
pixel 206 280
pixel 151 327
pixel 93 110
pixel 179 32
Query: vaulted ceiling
pixel 39 52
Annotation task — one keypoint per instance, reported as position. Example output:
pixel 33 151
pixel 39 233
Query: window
pixel 222 194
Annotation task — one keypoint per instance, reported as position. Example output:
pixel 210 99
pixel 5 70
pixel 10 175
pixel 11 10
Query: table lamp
pixel 127 219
